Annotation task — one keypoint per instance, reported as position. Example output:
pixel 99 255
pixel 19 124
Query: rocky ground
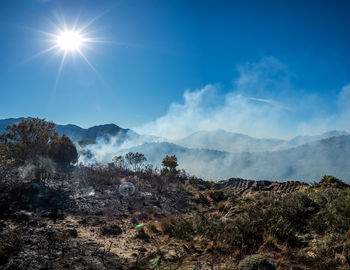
pixel 63 222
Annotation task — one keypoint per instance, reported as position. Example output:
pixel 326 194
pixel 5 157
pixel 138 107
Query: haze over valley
pixel 219 154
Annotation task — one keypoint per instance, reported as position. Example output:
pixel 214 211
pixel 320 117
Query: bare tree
pixel 135 160
pixel 120 162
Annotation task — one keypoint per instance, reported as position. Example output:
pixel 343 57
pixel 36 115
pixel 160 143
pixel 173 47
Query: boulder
pixel 257 262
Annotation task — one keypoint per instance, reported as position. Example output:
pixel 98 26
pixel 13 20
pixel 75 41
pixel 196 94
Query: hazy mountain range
pixel 220 154
pixel 222 140
pixel 308 162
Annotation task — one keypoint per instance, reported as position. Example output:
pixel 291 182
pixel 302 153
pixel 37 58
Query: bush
pixel 179 227
pixel 31 139
pixel 63 151
pixel 135 160
pixel 170 163
pixel 334 214
pixel 217 196
pixel 269 221
pixel 331 181
pixel 99 177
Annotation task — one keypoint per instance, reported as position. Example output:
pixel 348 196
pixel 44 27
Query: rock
pixel 257 262
pixel 111 230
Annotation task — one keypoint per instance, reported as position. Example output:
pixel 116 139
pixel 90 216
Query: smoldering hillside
pixel 220 154
pixel 307 162
pixel 222 140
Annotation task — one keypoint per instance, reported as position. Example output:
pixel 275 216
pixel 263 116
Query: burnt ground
pixel 63 222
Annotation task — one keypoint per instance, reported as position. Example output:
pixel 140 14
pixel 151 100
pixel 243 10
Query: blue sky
pixel 285 64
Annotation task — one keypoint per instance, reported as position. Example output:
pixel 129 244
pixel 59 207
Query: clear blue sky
pixel 165 48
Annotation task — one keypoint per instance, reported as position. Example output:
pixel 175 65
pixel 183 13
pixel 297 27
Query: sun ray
pixel 75 24
pixel 86 60
pixel 92 67
pixel 92 21
pixel 60 69
pixel 40 53
pixel 40 31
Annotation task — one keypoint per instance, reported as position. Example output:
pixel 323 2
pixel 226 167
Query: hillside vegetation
pixel 55 214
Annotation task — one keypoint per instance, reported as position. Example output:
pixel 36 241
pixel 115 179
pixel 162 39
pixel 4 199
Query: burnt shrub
pixel 99 177
pixel 217 196
pixel 113 229
pixel 10 244
pixel 179 227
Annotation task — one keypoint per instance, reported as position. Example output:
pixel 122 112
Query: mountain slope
pixel 76 133
pixel 308 162
pixel 297 161
pixel 235 142
pixel 222 140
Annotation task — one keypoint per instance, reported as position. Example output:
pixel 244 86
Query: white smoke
pixel 344 106
pixel 107 148
pixel 263 103
pixel 25 170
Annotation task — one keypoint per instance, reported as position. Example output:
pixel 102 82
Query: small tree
pixel 28 139
pixel 120 162
pixel 170 163
pixel 63 151
pixel 135 160
pixel 34 139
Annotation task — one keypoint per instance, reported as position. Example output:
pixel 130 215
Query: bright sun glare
pixel 70 41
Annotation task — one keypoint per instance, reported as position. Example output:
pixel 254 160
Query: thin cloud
pixel 271 102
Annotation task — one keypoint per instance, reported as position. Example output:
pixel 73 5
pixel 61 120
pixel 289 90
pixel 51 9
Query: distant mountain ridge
pixel 221 154
pixel 222 140
pixel 78 134
pixel 218 140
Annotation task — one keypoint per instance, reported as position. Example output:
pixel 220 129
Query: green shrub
pixel 331 181
pixel 334 214
pixel 32 139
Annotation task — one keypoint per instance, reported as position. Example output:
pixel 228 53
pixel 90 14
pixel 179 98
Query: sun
pixel 70 41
